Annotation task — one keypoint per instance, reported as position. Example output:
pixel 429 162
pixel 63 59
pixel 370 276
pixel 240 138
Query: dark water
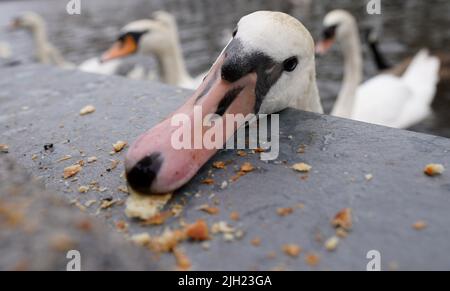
pixel 405 27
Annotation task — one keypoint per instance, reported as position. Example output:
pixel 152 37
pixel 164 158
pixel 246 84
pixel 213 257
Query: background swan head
pixel 28 20
pixel 147 36
pixel 338 25
pixel 267 66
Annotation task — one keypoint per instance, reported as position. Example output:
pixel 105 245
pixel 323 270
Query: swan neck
pixel 310 99
pixel 353 71
pixel 171 63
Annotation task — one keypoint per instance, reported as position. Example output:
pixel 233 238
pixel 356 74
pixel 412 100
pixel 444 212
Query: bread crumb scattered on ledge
pixel 343 219
pixel 285 211
pixel 219 165
pixel 71 171
pixel 434 170
pixel 4 148
pixel 209 209
pixel 198 231
pixel 87 110
pixel 302 167
pixel 119 146
pixel 291 250
pixel 247 168
pixel 145 207
pixel 420 225
pixel 312 259
pixel 332 243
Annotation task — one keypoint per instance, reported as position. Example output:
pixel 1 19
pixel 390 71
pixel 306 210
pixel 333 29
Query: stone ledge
pixel 40 105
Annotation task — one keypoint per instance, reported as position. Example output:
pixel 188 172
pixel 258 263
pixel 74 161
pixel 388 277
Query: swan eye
pixel 290 64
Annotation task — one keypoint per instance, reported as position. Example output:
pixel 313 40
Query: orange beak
pixel 120 49
pixel 324 46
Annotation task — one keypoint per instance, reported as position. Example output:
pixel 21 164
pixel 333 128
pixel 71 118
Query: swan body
pixel 269 65
pixel 157 37
pixel 387 99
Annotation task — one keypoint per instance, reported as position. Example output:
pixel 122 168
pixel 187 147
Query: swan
pixel 158 37
pixel 46 53
pixel 267 66
pixel 386 99
pixel 5 51
pixel 385 67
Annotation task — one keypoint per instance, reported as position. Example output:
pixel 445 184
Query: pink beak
pixel 155 166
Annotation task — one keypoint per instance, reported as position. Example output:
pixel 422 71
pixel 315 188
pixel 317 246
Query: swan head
pixel 28 20
pixel 147 36
pixel 268 63
pixel 338 25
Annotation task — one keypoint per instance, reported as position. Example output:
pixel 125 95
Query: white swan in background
pixel 5 51
pixel 46 53
pixel 157 37
pixel 386 99
pixel 269 65
pixel 399 69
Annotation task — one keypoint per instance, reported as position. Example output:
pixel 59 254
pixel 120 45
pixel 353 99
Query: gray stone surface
pixel 38 228
pixel 40 105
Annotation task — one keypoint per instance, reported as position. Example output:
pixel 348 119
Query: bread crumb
pixel 302 167
pixel 145 207
pixel 182 260
pixel 301 149
pixel 209 209
pixel 119 146
pixel 219 165
pixel 177 209
pixel 292 250
pixel 312 259
pixel 198 231
pixel 343 219
pixel 247 168
pixel 83 189
pixel 224 185
pixel 434 170
pixel 235 216
pixel 91 160
pixel 369 177
pixel 420 225
pixel 208 181
pixel 65 158
pixel 142 239
pixel 87 110
pixel 241 153
pixel 332 243
pixel 342 233
pixel 4 148
pixel 228 237
pixel 221 227
pixel 123 189
pixel 107 204
pixel 284 211
pixel 122 226
pixel 71 171
pixel 158 219
pixel 256 242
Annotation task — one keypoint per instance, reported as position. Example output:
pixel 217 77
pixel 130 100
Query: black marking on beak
pixel 208 86
pixel 228 100
pixel 239 63
pixel 140 178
